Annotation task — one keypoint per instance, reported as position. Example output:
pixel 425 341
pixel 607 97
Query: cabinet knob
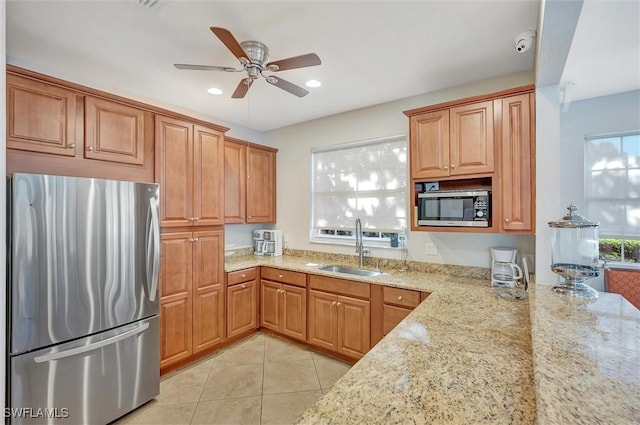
pixel 243 275
pixel 399 297
pixel 280 276
pixel 71 146
pixel 453 166
pixel 338 304
pixel 89 148
pixel 446 167
pixel 333 303
pixel 506 220
pixel 196 218
pixel 244 286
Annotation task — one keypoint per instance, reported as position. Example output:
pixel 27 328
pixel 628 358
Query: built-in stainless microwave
pixel 455 208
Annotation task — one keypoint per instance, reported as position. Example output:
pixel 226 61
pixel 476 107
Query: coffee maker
pixel 267 242
pixel 505 273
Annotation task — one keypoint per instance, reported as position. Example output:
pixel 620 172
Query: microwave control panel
pixel 481 208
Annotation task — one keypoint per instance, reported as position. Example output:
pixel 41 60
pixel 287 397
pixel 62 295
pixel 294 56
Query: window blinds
pixel 365 180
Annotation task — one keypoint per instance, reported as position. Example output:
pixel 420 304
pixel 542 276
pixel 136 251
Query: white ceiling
pixel 372 51
pixel 605 52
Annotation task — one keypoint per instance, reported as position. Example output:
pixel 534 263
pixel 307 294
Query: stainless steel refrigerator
pixel 83 267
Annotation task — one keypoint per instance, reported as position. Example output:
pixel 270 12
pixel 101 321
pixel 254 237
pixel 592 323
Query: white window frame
pixel 378 242
pixel 588 198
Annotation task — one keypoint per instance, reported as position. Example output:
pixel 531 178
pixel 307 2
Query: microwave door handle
pixel 90 347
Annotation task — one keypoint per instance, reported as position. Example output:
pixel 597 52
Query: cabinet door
pixel 391 316
pixel 517 152
pixel 354 327
pixel 261 186
pixel 208 297
pixel 323 320
pixel 430 145
pixel 208 176
pixel 271 305
pixel 175 297
pixel 174 162
pixel 242 308
pixel 235 181
pixel 40 117
pixel 113 131
pixel 471 147
pixel 294 312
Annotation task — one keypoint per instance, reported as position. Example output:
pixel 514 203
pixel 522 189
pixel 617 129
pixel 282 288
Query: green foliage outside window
pixel 611 249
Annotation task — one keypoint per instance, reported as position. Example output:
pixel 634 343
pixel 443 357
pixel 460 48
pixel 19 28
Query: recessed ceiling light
pixel 313 83
pixel 214 90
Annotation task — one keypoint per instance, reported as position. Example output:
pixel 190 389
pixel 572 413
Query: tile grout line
pixel 193 415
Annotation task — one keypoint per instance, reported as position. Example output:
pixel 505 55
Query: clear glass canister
pixel 575 254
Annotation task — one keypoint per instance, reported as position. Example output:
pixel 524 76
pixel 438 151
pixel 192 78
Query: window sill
pixel 352 245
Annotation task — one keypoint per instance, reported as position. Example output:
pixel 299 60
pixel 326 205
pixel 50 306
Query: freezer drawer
pixel 89 381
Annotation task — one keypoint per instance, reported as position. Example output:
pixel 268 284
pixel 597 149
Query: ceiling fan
pixel 254 58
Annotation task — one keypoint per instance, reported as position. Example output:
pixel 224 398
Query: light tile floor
pixel 260 380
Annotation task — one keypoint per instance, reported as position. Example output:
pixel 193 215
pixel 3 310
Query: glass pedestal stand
pixel 574 286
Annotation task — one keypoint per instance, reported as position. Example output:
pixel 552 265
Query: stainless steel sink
pixel 350 270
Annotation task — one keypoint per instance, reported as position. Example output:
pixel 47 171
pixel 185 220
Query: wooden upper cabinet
pixel 189 168
pixel 41 117
pixel 261 185
pixel 174 170
pixel 471 145
pixel 235 182
pixel 113 131
pixel 208 178
pixel 452 142
pixel 517 165
pixel 249 182
pixel 429 144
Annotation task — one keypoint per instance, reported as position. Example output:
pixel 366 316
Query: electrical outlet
pixel 432 186
pixel 431 249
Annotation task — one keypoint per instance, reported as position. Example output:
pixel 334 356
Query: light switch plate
pixel 431 249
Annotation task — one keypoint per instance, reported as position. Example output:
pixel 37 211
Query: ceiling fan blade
pixel 310 59
pixel 230 41
pixel 205 67
pixel 242 89
pixel 287 86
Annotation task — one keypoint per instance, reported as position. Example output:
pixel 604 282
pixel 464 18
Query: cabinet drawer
pixel 340 286
pixel 284 276
pixel 401 297
pixel 240 276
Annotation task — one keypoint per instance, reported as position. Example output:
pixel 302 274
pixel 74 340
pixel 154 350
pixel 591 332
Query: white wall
pixel 548 183
pixel 599 115
pixel 294 178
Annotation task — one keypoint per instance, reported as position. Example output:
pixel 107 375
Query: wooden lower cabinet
pixel 284 309
pixel 242 308
pixel 191 294
pixel 391 316
pixel 339 323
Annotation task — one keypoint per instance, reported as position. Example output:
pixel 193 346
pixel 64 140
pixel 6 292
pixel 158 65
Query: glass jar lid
pixel 573 219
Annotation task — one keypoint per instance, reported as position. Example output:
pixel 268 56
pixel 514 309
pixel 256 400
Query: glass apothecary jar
pixel 575 254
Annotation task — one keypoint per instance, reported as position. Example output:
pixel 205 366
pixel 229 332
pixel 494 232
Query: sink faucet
pixel 360 249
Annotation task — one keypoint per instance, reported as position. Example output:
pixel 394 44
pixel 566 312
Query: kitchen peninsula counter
pixel 466 356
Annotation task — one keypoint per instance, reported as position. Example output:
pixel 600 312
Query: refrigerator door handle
pixel 153 250
pixel 80 350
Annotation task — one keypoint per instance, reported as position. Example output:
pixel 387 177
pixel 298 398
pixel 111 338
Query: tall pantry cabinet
pixel 190 169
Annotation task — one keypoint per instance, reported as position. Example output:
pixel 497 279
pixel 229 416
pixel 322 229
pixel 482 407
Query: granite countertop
pixel 466 356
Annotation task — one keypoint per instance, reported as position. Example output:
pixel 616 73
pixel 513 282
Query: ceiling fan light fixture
pixel 215 91
pixel 313 83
